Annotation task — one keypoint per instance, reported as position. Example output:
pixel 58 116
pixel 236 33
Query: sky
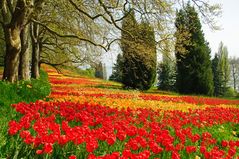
pixel 229 34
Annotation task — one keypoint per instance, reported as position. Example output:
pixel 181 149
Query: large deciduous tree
pixel 15 17
pixel 194 72
pixel 24 60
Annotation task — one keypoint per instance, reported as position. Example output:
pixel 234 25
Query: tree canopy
pixel 221 71
pixel 78 32
pixel 194 73
pixel 139 53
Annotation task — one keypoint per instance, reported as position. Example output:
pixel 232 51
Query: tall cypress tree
pixel 128 43
pixel 194 72
pixel 147 55
pixel 216 76
pixel 139 53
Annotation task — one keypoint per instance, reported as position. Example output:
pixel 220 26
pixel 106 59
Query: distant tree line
pixel 191 72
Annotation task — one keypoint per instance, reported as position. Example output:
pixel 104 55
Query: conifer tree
pixel 166 70
pixel 194 72
pixel 216 76
pixel 117 69
pixel 166 76
pixel 139 54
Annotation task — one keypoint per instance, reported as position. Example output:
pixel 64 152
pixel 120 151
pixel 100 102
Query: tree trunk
pixel 234 77
pixel 15 17
pixel 24 66
pixel 13 49
pixel 35 69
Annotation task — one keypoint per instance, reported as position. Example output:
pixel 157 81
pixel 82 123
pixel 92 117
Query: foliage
pixel 230 92
pixel 166 76
pixel 216 76
pixel 139 53
pixel 194 73
pixel 117 69
pixel 78 31
pixel 221 71
pixel 223 66
pixel 88 72
pixel 167 71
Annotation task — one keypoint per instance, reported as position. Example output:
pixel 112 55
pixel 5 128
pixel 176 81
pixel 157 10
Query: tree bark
pixel 13 48
pixel 12 30
pixel 35 69
pixel 16 16
pixel 24 65
pixel 234 77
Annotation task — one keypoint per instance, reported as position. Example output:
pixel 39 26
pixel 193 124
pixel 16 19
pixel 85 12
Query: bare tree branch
pixel 110 15
pixel 208 12
pixel 55 65
pixel 69 36
pixel 88 15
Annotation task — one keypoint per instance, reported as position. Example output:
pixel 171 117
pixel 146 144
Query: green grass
pixel 30 91
pixel 24 91
pixel 82 72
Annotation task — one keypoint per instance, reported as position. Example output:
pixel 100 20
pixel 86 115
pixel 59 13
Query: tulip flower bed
pixel 84 120
pixel 91 131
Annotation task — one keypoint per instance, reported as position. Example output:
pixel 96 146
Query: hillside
pixel 91 118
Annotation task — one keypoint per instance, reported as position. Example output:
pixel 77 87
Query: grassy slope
pixel 13 93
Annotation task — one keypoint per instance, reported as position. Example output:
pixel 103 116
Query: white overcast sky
pixel 229 22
